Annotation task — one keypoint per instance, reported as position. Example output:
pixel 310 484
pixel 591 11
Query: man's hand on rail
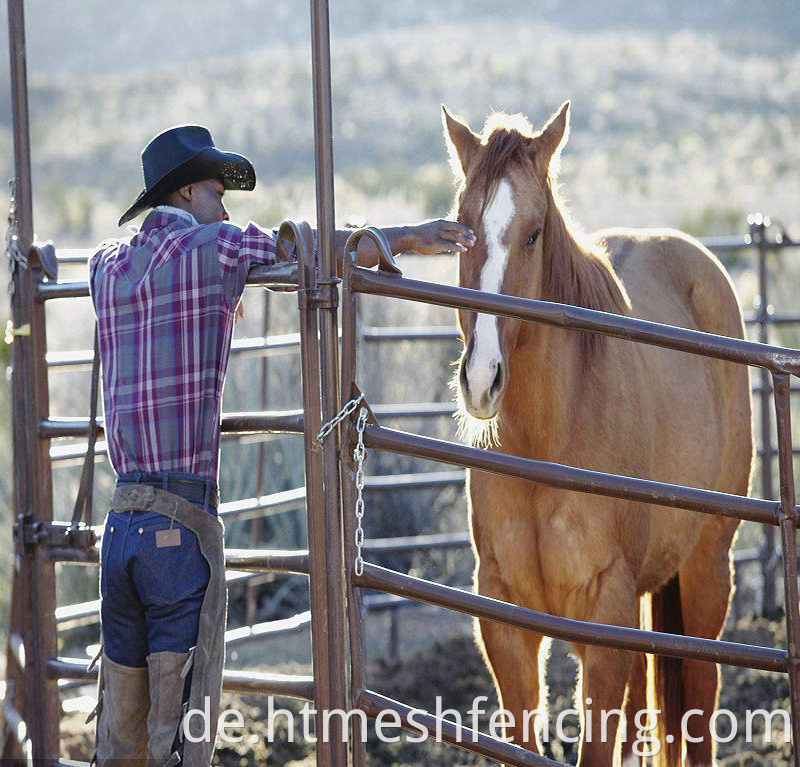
pixel 439 236
pixel 426 239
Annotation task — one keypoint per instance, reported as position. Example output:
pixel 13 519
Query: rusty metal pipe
pixel 276 422
pixel 622 638
pixel 788 531
pixel 774 358
pixel 34 581
pixel 282 275
pixel 322 648
pixel 571 478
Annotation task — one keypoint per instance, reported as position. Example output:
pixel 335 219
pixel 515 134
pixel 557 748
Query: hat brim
pixel 234 171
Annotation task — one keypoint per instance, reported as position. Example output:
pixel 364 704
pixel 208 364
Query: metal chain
pixel 13 253
pixel 345 412
pixel 359 456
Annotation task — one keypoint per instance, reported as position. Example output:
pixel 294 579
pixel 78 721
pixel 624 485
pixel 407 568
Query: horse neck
pixel 575 273
pixel 538 408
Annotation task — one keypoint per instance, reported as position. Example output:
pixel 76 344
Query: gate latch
pixel 324 296
pixel 29 532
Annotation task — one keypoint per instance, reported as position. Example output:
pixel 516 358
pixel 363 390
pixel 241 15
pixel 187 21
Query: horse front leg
pixel 605 672
pixel 512 656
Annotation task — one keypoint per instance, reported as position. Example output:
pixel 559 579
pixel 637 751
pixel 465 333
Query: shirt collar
pixel 163 215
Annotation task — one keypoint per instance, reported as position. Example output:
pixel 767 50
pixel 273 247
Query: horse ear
pixel 549 143
pixel 462 143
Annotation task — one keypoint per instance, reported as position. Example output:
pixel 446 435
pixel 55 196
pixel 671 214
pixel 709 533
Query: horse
pixel 582 399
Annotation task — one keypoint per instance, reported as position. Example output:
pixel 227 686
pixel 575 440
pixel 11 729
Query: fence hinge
pixel 324 296
pixel 28 532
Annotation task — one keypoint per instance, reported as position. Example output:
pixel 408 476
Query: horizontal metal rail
pixel 248 560
pixel 268 629
pixel 773 358
pixel 290 500
pixel 372 704
pixel 266 422
pixel 279 276
pixel 402 544
pixel 260 683
pixel 275 503
pixel 275 422
pixel 267 561
pixel 571 478
pixel 430 333
pixel 620 637
pixel 69 455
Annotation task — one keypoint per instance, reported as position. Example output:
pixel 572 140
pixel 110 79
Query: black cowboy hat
pixel 182 155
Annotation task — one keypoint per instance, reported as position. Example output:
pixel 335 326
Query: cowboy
pixel 165 303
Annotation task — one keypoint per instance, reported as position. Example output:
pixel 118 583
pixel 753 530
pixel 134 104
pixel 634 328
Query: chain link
pixel 13 254
pixel 345 412
pixel 359 456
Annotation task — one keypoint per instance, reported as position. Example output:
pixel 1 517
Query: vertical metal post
pixel 255 525
pixel 768 558
pixel 33 501
pixel 329 347
pixel 327 653
pixel 788 527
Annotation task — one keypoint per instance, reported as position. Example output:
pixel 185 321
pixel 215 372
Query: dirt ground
pixel 437 656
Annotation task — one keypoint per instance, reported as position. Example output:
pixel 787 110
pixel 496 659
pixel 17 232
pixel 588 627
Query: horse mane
pixel 578 272
pixel 574 271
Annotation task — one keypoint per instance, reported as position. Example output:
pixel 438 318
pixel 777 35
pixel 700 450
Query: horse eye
pixel 535 236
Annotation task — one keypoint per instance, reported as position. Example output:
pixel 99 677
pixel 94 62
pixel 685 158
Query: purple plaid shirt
pixel 165 306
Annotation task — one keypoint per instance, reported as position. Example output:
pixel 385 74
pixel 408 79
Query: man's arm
pixel 425 239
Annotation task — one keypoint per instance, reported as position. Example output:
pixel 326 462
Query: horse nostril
pixel 462 377
pixel 497 384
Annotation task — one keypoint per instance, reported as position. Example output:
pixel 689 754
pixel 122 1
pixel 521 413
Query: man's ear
pixel 462 143
pixel 548 144
pixel 185 192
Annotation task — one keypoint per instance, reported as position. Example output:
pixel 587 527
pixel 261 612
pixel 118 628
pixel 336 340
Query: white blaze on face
pixel 482 365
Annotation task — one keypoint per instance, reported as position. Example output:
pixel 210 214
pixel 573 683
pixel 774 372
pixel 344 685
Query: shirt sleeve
pixel 95 272
pixel 239 250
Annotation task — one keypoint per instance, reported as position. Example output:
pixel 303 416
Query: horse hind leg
pixel 706 583
pixel 512 656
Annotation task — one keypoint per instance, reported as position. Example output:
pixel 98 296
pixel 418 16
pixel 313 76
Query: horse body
pixel 605 404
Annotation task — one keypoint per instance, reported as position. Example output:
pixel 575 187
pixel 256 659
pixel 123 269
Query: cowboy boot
pixel 123 704
pixel 166 707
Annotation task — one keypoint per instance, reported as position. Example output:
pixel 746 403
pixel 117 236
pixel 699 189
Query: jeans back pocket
pixel 174 570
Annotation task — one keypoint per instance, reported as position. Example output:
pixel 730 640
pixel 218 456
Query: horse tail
pixel 666 616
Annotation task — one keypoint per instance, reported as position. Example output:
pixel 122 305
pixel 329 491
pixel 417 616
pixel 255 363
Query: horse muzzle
pixel 482 384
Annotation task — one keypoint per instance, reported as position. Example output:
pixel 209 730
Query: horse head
pixel 505 197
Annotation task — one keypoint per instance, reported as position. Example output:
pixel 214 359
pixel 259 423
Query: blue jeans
pixel 151 595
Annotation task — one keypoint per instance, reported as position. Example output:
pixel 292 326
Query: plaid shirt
pixel 165 305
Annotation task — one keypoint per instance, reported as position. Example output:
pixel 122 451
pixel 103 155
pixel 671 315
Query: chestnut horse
pixel 606 404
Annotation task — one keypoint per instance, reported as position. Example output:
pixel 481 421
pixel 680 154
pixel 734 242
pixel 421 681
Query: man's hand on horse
pixel 440 236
